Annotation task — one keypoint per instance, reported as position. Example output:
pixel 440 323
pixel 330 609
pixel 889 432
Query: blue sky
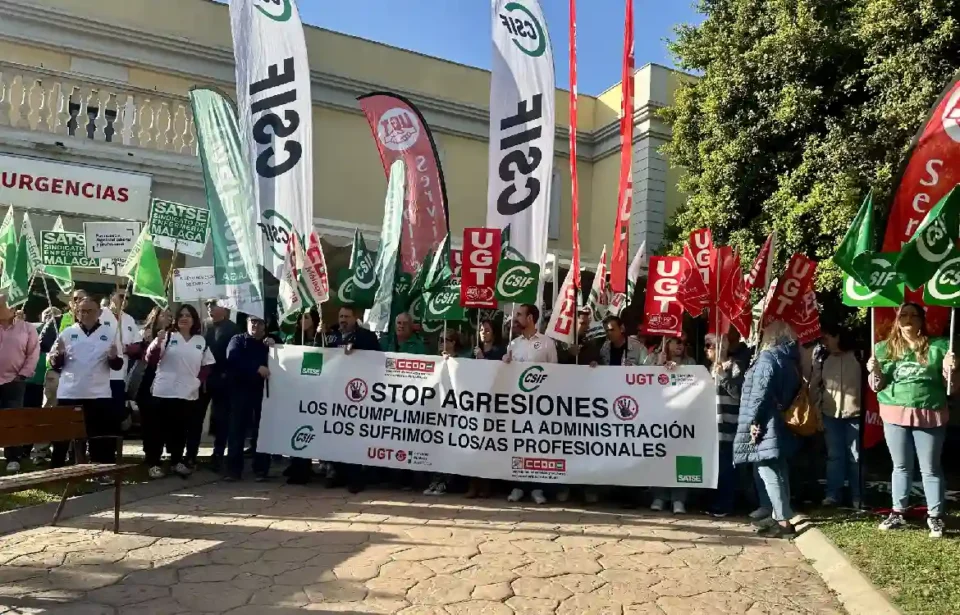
pixel 459 30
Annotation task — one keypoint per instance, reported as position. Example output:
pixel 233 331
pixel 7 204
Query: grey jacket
pixel 636 353
pixel 769 388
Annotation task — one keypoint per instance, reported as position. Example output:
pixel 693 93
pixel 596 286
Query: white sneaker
pixel 538 497
pixel 440 489
pixel 13 467
pixel 679 508
pixel 761 513
pixel 563 495
pixel 657 505
pixel 829 502
pixel 182 470
pixel 936 527
pixel 515 496
pixel 156 472
pixel 431 490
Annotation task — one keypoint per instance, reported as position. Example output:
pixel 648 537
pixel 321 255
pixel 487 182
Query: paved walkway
pixel 267 549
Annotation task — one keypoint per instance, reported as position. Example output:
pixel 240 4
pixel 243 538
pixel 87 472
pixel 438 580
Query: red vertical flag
pixel 574 182
pixel 621 237
pixel 481 254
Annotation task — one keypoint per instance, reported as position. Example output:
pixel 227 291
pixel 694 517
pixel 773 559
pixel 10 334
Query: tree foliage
pixel 803 107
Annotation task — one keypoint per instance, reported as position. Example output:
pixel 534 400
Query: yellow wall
pixel 34 56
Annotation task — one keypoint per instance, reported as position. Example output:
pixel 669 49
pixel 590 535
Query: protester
pixel 309 333
pixel 763 438
pixel 451 346
pixel 529 346
pixel 19 350
pixel 618 349
pixel 182 361
pixel 34 385
pixel 403 339
pixel 220 329
pixel 586 350
pixel 152 420
pixel 727 364
pixel 835 389
pixel 86 354
pixel 351 336
pixel 126 335
pixel 51 379
pixel 489 345
pixel 673 353
pixel 247 373
pixel 909 371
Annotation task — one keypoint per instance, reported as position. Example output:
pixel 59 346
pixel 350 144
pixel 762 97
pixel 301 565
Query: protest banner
pixel 481 251
pixel 195 284
pixel 175 225
pixel 110 239
pixel 65 249
pixel 664 312
pixel 517 421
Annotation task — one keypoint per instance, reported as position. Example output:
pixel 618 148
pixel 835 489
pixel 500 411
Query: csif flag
pixel 276 119
pixel 8 248
pixel 401 133
pixel 858 241
pixel 386 267
pixel 933 244
pixel 522 127
pixel 883 286
pixel 621 241
pixel 143 269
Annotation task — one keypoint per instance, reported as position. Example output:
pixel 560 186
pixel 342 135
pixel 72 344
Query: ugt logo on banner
pixel 663 309
pixel 788 298
pixel 481 252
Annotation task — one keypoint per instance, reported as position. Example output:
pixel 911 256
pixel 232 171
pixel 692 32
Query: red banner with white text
pixel 621 232
pixel 481 255
pixel 574 181
pixel 792 289
pixel 662 308
pixel 401 133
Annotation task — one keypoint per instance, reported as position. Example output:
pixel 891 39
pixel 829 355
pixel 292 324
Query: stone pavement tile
pixel 799 589
pixel 707 603
pixel 686 582
pixel 81 608
pixel 406 570
pixel 207 574
pixel 485 575
pixel 216 597
pixel 479 607
pixel 447 565
pixel 502 560
pixel 647 608
pixel 494 591
pixel 546 589
pixel 160 606
pixel 280 595
pixel 523 605
pixel 556 564
pixel 531 545
pixel 631 546
pixel 336 591
pixel 389 587
pixel 442 589
pixel 580 583
pixel 125 595
pixel 589 604
pixel 422 609
pixel 235 557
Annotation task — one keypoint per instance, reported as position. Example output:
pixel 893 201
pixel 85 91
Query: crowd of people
pixel 177 366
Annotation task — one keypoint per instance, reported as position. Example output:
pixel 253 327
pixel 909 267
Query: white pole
pixel 953 320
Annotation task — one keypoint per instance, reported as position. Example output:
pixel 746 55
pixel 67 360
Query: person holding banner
pixel 310 333
pixel 19 351
pixel 247 373
pixel 763 437
pixel 182 359
pixel 618 349
pixel 218 331
pixel 673 354
pixel 488 345
pixel 909 372
pixel 529 346
pixel 403 338
pixel 85 354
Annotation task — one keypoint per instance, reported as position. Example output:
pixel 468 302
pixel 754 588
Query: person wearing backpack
pixel 835 389
pixel 183 361
pixel 909 372
pixel 763 438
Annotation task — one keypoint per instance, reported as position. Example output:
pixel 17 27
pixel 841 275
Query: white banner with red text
pixel 528 422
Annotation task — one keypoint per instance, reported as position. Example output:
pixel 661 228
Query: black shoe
pixel 261 478
pixel 250 452
pixel 297 479
pixel 216 464
pixel 355 487
pixel 230 478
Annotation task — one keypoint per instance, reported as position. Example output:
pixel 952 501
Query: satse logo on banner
pixel 663 309
pixel 481 251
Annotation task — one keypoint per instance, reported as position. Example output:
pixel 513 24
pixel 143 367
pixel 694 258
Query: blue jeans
pixel 244 411
pixel 762 496
pixel 775 475
pixel 927 444
pixel 670 495
pixel 724 494
pixel 843 456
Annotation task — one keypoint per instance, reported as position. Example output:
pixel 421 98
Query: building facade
pixel 98 91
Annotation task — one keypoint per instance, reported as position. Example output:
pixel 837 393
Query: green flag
pixel 884 288
pixel 34 262
pixel 857 241
pixel 944 287
pixel 419 279
pixel 19 289
pixel 933 243
pixel 63 276
pixel 143 268
pixel 517 281
pixel 439 273
pixel 8 248
pixel 444 304
pixel 381 314
pixel 363 287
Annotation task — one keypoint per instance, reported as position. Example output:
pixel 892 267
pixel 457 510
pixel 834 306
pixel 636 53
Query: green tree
pixel 802 107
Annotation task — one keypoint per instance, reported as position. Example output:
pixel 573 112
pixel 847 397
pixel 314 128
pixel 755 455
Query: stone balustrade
pixel 82 107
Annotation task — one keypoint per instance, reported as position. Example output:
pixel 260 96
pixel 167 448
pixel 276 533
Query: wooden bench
pixel 23 426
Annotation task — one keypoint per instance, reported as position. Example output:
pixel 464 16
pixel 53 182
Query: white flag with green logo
pixel 276 119
pixel 34 261
pixel 522 127
pixel 597 300
pixel 380 317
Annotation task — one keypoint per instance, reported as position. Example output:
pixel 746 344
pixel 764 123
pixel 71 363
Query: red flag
pixel 664 314
pixel 401 133
pixel 702 252
pixel 722 262
pixel 693 294
pixel 805 320
pixel 481 254
pixel 621 242
pixel 734 302
pixel 574 182
pixel 793 286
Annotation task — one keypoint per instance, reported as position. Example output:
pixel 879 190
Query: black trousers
pixel 101 419
pixel 12 396
pixel 175 416
pixel 153 428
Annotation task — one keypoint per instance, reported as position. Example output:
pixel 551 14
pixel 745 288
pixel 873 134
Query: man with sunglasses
pixel 619 349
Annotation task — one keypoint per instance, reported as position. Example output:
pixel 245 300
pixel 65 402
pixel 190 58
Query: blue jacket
pixel 769 387
pixel 245 355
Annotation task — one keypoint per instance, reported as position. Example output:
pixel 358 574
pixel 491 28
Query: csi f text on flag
pixel 522 126
pixel 932 244
pixel 276 119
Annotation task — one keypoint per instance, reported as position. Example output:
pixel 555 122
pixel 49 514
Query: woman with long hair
pixel 909 372
pixel 763 438
pixel 835 389
pixel 151 423
pixel 183 361
pixel 489 344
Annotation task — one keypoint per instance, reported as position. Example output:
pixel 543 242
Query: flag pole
pixel 953 320
pixel 173 264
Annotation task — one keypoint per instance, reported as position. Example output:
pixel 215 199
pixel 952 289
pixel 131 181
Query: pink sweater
pixel 19 351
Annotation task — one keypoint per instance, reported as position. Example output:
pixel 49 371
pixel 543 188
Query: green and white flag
pixel 933 244
pixel 597 300
pixel 237 246
pixel 362 288
pixel 944 287
pixel 381 314
pixel 63 276
pixel 34 262
pixel 143 268
pixel 857 244
pixel 443 304
pixel 439 272
pixel 517 281
pixel 883 287
pixel 8 248
pixel 19 289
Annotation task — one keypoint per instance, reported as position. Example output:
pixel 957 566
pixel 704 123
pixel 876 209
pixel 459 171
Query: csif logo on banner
pixel 525 162
pixel 277 10
pixel 302 438
pixel 524 28
pixel 531 379
pixel 276 230
pixel 945 284
pixel 398 129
